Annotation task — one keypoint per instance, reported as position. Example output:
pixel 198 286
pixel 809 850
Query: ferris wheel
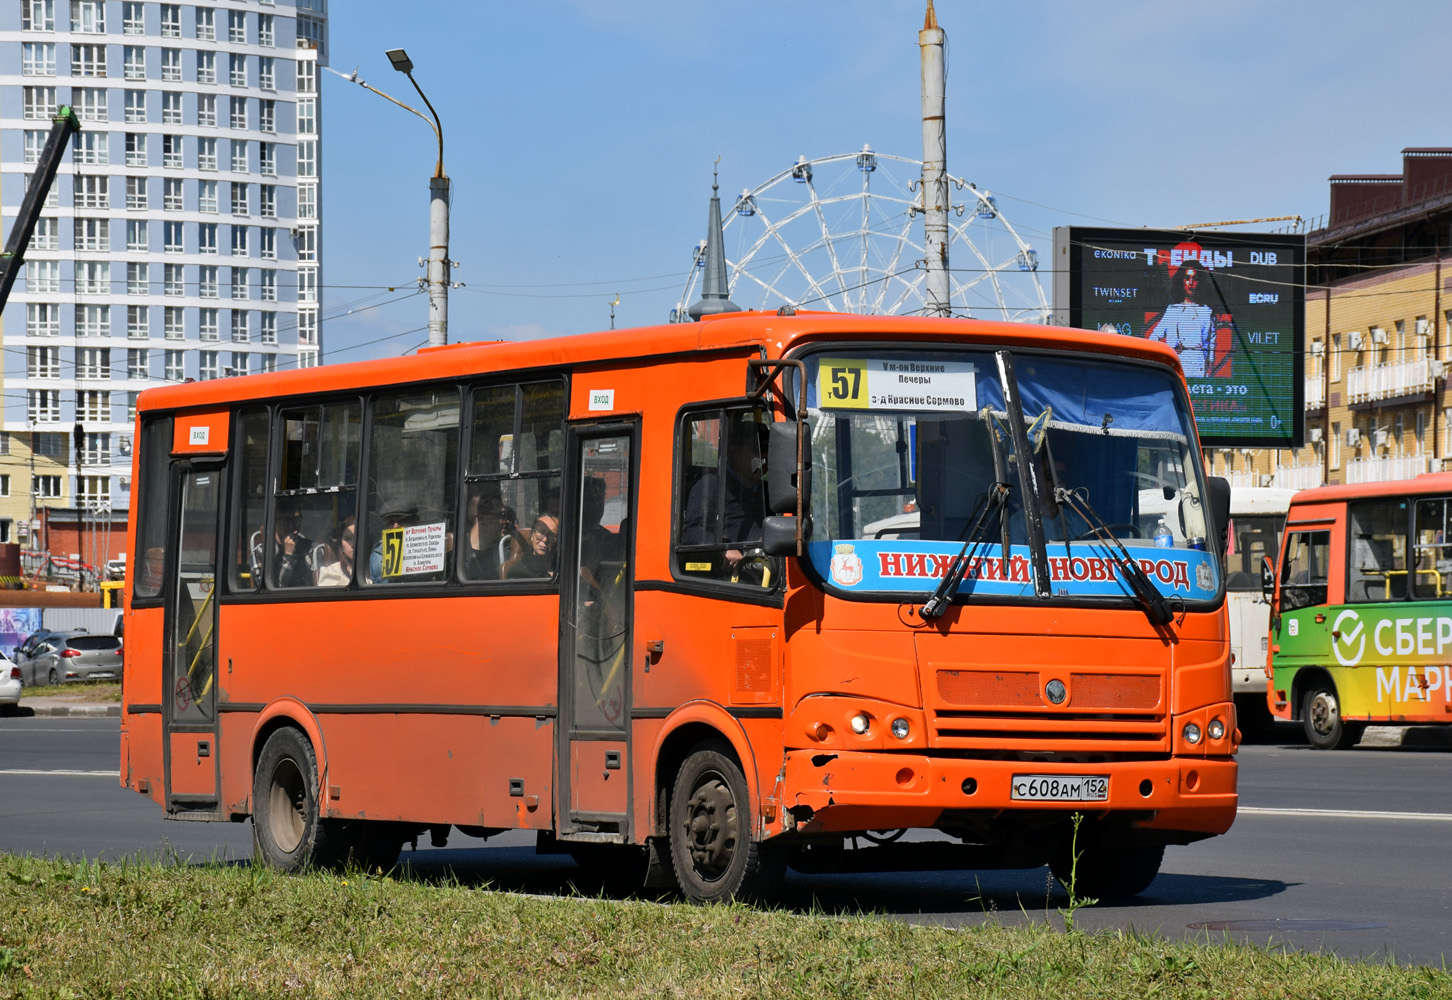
pixel 844 233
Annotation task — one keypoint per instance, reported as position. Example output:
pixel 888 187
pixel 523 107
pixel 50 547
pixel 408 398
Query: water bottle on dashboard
pixel 1163 537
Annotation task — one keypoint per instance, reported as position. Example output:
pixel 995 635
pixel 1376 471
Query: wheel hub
pixel 1323 712
pixel 711 827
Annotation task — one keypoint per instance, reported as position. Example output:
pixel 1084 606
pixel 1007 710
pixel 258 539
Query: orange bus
pixel 698 602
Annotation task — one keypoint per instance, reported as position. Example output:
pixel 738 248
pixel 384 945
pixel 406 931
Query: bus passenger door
pixel 596 603
pixel 190 655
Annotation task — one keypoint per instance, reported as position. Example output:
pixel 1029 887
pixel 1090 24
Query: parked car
pixel 74 656
pixel 10 686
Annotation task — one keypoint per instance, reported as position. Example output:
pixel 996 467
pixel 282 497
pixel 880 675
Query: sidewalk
pixel 66 704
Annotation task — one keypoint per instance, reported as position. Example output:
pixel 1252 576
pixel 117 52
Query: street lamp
pixel 438 267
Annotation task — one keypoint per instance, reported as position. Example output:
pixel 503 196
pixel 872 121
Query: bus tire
pixel 288 833
pixel 713 853
pixel 1321 719
pixel 1107 872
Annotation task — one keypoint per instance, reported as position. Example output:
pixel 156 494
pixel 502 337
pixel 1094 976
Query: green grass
pixel 148 930
pixel 90 691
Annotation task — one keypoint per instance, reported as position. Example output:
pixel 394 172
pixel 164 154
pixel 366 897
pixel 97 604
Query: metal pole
pixel 935 167
pixel 438 260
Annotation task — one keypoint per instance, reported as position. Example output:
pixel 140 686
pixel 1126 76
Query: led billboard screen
pixel 1231 304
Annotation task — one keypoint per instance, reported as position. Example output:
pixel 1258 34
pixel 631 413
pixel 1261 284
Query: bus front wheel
pixel 1321 717
pixel 287 832
pixel 1100 872
pixel 712 851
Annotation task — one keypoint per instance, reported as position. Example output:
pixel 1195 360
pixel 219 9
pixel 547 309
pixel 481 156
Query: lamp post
pixel 438 266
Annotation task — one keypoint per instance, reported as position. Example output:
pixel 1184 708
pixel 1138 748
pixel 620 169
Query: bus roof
pixel 749 332
pixel 1260 500
pixel 1428 482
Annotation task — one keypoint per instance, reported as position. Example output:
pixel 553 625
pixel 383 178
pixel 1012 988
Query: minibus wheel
pixel 712 851
pixel 1103 872
pixel 287 832
pixel 1321 718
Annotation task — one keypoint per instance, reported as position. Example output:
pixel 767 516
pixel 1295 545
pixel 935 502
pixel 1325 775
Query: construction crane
pixel 65 123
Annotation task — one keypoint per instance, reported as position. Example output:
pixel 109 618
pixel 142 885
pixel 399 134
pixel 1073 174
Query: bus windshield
pixel 906 447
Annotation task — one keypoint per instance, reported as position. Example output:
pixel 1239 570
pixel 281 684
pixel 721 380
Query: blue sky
pixel 580 134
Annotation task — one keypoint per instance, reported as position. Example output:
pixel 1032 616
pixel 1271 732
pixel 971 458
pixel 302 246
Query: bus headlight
pixel 1191 732
pixel 900 728
pixel 861 723
pixel 1216 729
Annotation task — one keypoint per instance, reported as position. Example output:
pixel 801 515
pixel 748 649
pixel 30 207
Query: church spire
pixel 714 296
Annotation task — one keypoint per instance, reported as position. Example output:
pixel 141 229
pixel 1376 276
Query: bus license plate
pixel 1061 787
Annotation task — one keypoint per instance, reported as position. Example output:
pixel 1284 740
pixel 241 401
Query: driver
pixel 738 522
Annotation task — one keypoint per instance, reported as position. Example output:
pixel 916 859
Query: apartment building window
pixel 49 445
pixel 267 201
pixel 237 70
pixel 237 27
pixel 207 237
pixel 207 196
pixel 267 285
pixel 172 283
pixel 268 328
pixel 52 200
pixel 91 191
pixel 307 327
pixel 268 362
pixel 93 234
pixel 171 151
pixel 207 281
pixel 207 324
pixel 1335 357
pixel 307 158
pixel 138 363
pixel 88 60
pixel 37 59
pixel 136 193
pixel 307 284
pixel 46 235
pixel 310 32
pixel 171 65
pixel 172 327
pixel 34 143
pixel 241 322
pixel 138 322
pixel 93 362
pixel 240 362
pixel 239 241
pixel 207 110
pixel 171 233
pixel 46 487
pixel 137 235
pixel 132 398
pixel 267 244
pixel 93 321
pixel 239 112
pixel 90 148
pixel 133 62
pixel 37 15
pixel 307 201
pixel 171 20
pixel 42 406
pixel 208 366
pixel 307 114
pixel 267 115
pixel 138 278
pixel 206 153
pixel 206 67
pixel 39 102
pixel 265 34
pixel 133 18
pixel 93 277
pixel 89 103
pixel 42 276
pixel 42 362
pixel 136 149
pixel 171 108
pixel 240 281
pixel 239 198
pixel 307 244
pixel 175 366
pixel 1421 431
pixel 42 319
pixel 206 24
pixel 88 17
pixel 266 73
pixel 93 406
pixel 239 156
pixel 135 107
pixel 171 194
pixel 93 489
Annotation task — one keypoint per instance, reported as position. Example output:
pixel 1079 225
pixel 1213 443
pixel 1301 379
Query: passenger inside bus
pixel 291 549
pixel 488 542
pixel 397 513
pixel 337 568
pixel 538 559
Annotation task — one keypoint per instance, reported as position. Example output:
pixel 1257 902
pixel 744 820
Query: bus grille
pixel 1008 710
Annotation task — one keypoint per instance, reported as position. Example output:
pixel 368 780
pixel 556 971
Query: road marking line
pixel 83 774
pixel 1344 813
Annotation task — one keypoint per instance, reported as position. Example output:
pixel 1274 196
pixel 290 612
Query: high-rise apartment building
pixel 181 237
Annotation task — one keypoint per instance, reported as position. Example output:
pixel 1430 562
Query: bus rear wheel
pixel 288 833
pixel 1321 718
pixel 713 853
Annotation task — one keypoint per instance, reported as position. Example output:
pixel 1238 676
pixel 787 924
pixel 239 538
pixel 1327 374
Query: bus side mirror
pixel 784 477
pixel 1218 489
pixel 1267 579
pixel 779 534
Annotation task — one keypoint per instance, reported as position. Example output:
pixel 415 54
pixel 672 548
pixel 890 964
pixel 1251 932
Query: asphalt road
pixel 1337 851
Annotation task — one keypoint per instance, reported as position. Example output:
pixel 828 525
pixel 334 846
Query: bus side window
pixel 413 465
pixel 1304 573
pixel 250 503
pixel 1378 538
pixel 317 497
pixel 1432 578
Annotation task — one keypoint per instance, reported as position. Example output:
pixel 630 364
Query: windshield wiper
pixel 947 590
pixel 1156 607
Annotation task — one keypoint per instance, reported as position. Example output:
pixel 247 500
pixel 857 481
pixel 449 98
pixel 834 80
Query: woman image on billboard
pixel 1187 324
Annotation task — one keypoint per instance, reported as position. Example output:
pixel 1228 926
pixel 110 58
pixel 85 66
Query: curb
pixel 83 711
